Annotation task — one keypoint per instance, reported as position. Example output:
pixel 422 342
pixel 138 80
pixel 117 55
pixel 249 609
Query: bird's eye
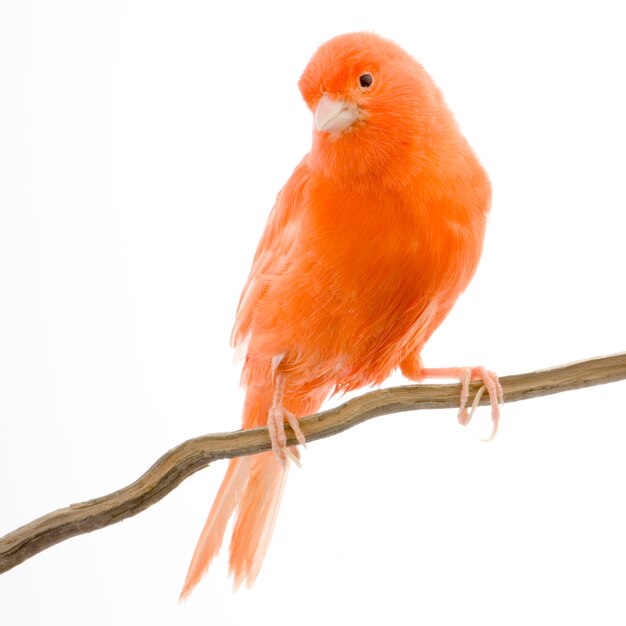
pixel 365 80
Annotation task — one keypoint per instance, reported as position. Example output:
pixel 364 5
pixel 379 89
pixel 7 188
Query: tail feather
pixel 253 487
pixel 210 540
pixel 256 517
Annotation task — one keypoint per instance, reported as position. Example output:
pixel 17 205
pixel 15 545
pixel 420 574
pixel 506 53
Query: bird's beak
pixel 333 116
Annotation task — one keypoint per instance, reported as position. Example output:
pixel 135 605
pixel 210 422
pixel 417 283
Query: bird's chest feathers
pixel 394 248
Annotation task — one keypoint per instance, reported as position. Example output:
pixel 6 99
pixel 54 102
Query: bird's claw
pixel 276 427
pixel 492 385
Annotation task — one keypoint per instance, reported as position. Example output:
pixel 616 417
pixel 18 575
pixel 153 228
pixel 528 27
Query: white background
pixel 141 147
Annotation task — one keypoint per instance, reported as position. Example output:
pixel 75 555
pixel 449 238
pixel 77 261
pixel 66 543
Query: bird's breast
pixel 370 276
pixel 373 276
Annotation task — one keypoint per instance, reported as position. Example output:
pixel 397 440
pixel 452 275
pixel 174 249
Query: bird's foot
pixel 466 374
pixel 276 426
pixel 276 418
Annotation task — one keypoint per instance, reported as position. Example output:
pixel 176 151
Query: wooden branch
pixel 192 455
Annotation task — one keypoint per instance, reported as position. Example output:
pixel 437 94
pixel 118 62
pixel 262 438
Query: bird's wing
pixel 274 252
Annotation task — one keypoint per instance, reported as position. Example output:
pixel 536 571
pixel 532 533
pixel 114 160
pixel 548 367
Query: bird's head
pixel 372 105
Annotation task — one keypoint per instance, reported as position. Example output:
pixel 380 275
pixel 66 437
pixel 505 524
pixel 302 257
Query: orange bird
pixel 371 241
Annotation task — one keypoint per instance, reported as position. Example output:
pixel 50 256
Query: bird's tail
pixel 255 485
pixel 212 534
pixel 252 487
pixel 256 517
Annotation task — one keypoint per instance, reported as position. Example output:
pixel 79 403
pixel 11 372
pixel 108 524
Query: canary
pixel 373 238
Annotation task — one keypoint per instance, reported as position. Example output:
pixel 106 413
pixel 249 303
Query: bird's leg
pixel 276 423
pixel 466 374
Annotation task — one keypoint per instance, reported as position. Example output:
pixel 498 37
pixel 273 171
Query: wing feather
pixel 274 253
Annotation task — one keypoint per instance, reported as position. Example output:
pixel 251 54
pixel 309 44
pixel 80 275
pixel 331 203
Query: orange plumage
pixel 371 241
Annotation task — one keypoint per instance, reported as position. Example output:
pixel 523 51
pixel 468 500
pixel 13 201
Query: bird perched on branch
pixel 370 243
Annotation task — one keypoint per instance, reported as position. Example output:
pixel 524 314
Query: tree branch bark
pixel 190 456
